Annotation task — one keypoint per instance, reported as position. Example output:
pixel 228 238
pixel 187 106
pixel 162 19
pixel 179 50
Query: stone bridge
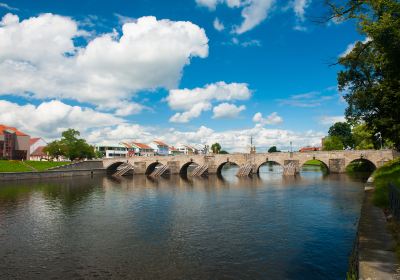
pixel 335 161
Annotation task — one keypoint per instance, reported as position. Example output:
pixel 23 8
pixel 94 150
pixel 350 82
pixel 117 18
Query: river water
pixel 266 227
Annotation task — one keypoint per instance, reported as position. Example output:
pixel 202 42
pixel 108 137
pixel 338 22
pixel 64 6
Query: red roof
pixel 159 143
pixel 33 141
pixel 13 129
pixel 141 145
pixel 39 152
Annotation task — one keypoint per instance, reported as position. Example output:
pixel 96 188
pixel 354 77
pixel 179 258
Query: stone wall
pixel 4 176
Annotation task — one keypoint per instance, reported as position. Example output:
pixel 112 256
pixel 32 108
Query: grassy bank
pixel 314 162
pixel 44 165
pixel 27 166
pixel 388 173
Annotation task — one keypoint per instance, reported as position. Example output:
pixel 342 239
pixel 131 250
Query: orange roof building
pixel 14 144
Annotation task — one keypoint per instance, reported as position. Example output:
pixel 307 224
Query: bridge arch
pixel 112 168
pixel 184 168
pixel 259 165
pixel 324 163
pixel 152 166
pixel 222 164
pixel 369 164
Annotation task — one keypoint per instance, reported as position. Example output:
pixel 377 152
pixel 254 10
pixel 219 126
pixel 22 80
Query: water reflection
pixel 265 226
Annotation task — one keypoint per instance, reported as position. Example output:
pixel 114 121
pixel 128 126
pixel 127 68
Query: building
pixel 113 151
pixel 172 151
pixel 309 149
pixel 140 149
pixel 188 150
pixel 36 149
pixel 160 148
pixel 14 144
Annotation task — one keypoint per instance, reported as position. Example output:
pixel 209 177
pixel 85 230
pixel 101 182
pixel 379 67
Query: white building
pixel 112 151
pixel 187 150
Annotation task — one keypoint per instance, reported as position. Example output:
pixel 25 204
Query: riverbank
pixel 383 176
pixel 377 257
pixel 28 166
pixel 5 176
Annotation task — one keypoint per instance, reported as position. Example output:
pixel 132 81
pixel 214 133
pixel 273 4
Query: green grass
pixel 314 162
pixel 44 165
pixel 388 173
pixel 13 166
pixel 18 166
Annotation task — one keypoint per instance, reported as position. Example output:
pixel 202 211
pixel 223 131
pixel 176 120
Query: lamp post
pixel 380 138
pixel 291 149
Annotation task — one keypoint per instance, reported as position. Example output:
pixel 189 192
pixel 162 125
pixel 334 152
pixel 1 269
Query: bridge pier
pixel 212 168
pixel 337 165
pixel 139 167
pixel 291 167
pixel 174 167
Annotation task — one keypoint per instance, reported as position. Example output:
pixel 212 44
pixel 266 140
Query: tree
pixel 216 148
pixel 371 75
pixel 332 143
pixel 70 146
pixel 273 149
pixel 363 137
pixel 55 149
pixel 342 130
pixel 223 152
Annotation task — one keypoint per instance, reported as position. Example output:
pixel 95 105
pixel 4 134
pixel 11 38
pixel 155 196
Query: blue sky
pixel 265 73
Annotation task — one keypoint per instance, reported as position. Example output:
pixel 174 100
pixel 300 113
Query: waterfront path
pixel 377 256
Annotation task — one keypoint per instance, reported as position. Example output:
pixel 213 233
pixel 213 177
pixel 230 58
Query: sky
pixel 185 72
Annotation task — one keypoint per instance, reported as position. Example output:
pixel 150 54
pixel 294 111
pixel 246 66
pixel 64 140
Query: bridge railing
pixel 394 201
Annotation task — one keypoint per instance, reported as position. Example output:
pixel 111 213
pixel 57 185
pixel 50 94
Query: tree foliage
pixel 363 137
pixel 370 79
pixel 216 148
pixel 342 130
pixel 332 143
pixel 70 146
pixel 273 149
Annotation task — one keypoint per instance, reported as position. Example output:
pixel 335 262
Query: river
pixel 264 227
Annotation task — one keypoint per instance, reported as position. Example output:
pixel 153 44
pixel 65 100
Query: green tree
pixel 70 146
pixel 363 137
pixel 332 143
pixel 342 130
pixel 223 152
pixel 273 149
pixel 370 79
pixel 216 148
pixel 55 149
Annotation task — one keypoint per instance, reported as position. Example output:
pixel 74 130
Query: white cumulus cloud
pixel 50 118
pixel 271 119
pixel 194 101
pixel 227 110
pixel 194 112
pixel 38 58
